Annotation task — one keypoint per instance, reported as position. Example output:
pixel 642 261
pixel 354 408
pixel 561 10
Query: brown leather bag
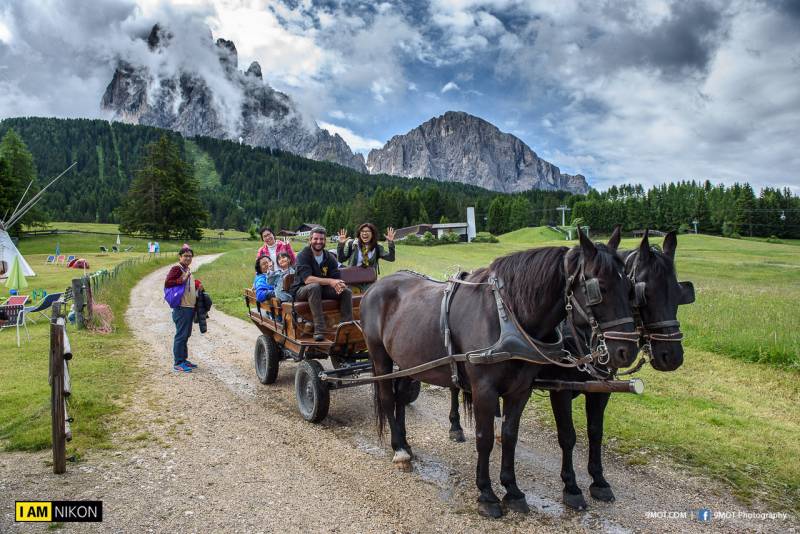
pixel 358 275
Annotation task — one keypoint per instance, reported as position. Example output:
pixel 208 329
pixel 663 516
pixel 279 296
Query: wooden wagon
pixel 287 334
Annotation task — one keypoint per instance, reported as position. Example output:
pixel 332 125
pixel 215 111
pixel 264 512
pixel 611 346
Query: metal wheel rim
pixel 261 361
pixel 307 397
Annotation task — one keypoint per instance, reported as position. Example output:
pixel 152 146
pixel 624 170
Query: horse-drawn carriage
pixel 497 337
pixel 288 335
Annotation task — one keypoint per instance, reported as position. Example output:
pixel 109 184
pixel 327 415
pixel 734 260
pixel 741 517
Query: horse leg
pixel 514 499
pixel 456 432
pixel 596 404
pixel 386 400
pixel 561 403
pixel 402 394
pixel 498 424
pixel 483 409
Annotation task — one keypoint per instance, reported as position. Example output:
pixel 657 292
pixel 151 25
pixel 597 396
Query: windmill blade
pixel 18 214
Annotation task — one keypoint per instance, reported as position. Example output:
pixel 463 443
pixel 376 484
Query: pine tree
pixel 163 200
pixel 16 172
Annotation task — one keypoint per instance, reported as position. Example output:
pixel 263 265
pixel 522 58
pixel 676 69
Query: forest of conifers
pixel 243 186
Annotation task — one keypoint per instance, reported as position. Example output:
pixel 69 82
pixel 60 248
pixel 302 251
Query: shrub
pixel 774 239
pixel 485 237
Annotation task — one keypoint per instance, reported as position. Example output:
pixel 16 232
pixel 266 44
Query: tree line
pixel 243 187
pixel 716 209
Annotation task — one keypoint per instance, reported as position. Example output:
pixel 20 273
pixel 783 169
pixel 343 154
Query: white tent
pixel 7 248
pixel 7 253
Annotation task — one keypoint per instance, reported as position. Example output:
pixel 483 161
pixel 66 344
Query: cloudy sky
pixel 620 91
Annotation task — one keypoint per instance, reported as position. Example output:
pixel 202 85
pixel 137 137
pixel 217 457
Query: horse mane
pixel 537 275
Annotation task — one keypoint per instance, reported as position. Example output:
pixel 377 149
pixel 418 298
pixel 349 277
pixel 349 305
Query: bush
pixel 428 240
pixel 774 239
pixel 683 229
pixel 485 237
pixel 450 237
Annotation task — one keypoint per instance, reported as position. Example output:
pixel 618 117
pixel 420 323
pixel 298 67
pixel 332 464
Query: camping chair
pixel 114 248
pixel 61 259
pixel 14 311
pixel 70 258
pixel 50 259
pixel 103 250
pixel 45 304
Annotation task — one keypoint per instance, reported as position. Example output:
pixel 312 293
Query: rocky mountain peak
pixel 254 70
pixel 184 101
pixel 459 147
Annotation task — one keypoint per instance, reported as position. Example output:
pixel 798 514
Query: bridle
pixel 600 331
pixel 645 330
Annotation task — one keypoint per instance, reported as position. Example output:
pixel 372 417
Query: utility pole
pixel 563 210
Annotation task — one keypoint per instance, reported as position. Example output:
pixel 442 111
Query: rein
pixel 596 348
pixel 514 343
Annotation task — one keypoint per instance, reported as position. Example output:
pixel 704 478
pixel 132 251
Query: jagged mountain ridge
pixel 459 147
pixel 185 103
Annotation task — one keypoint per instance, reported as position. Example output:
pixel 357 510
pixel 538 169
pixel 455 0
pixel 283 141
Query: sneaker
pixel 190 364
pixel 182 368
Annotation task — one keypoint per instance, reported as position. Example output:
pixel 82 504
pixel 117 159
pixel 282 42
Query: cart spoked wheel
pixel 267 359
pixel 413 391
pixel 313 395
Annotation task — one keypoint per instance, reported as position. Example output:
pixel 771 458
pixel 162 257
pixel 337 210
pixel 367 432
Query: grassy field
pixel 729 412
pixel 105 228
pixel 103 374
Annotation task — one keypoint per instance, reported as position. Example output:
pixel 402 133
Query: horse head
pixel 602 291
pixel 657 295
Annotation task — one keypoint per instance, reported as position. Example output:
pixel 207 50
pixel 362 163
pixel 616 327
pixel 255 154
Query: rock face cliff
pixel 191 103
pixel 458 147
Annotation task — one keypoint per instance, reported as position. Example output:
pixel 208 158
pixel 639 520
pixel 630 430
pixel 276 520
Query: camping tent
pixel 7 253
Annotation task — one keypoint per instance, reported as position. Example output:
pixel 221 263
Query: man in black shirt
pixel 316 278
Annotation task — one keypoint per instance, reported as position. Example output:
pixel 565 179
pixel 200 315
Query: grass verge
pixel 102 375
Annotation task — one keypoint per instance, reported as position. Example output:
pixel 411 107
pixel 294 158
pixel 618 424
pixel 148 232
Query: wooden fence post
pixel 80 301
pixel 59 436
pixel 87 286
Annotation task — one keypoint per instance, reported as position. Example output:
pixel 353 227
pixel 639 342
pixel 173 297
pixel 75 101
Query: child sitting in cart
pixel 275 278
pixel 264 290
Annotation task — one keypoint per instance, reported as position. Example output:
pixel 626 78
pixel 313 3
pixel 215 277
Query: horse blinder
pixel 687 293
pixel 593 294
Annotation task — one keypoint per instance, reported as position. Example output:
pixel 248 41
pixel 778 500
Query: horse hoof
pixel 517 505
pixel 575 501
pixel 403 467
pixel 457 436
pixel 492 510
pixel 402 460
pixel 602 494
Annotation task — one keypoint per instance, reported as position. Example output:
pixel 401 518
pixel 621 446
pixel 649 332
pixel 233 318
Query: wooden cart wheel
pixel 313 395
pixel 267 359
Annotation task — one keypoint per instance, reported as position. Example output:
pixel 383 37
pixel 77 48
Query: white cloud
pixel 356 142
pixel 450 86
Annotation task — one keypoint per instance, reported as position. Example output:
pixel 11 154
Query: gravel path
pixel 215 451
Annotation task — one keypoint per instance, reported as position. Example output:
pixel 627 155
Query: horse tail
pixel 380 415
pixel 467 400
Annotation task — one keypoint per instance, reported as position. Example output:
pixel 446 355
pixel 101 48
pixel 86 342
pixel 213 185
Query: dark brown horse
pixel 401 323
pixel 655 299
pixel 657 295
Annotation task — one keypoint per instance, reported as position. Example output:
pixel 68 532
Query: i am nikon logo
pixel 61 511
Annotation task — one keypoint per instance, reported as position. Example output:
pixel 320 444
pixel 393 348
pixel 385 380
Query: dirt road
pixel 216 451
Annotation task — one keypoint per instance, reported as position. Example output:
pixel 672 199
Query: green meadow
pixel 103 371
pixel 730 412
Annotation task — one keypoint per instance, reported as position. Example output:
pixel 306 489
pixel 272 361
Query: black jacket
pixel 307 266
pixel 349 251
